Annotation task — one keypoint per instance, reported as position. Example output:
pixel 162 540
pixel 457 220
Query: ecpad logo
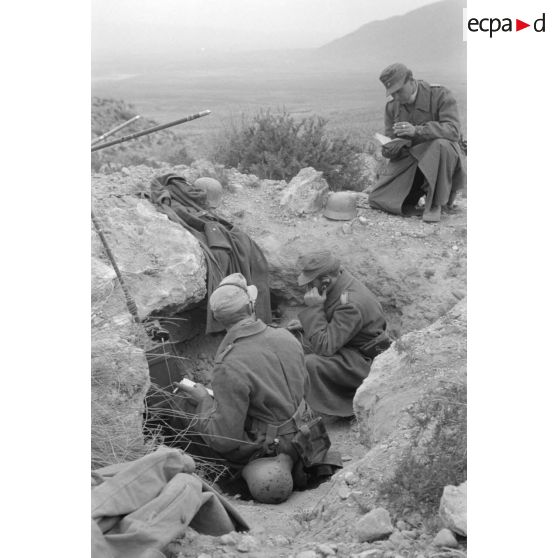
pixel 494 24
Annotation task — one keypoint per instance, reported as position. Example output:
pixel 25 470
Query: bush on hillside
pixel 438 455
pixel 276 146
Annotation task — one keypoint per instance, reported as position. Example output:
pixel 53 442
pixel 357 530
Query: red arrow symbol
pixel 519 25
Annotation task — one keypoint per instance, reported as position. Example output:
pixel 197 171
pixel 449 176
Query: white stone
pixel 247 544
pixel 445 538
pixel 343 491
pixel 453 508
pixel 376 524
pixel 326 549
pixel 306 193
pixel 351 478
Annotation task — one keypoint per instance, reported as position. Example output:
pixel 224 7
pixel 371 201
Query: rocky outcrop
pixel 164 269
pixel 119 381
pixel 453 508
pixel 306 193
pixel 415 366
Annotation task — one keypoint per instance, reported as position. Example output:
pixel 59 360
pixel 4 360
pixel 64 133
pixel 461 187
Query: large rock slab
pixel 415 365
pixel 306 193
pixel 162 263
pixel 453 508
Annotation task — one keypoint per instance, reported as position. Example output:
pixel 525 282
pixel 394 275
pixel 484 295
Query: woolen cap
pixel 393 77
pixel 314 264
pixel 232 295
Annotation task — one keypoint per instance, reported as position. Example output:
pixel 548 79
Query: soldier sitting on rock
pixel 425 154
pixel 344 329
pixel 254 419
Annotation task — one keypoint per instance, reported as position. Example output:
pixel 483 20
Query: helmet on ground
pixel 341 206
pixel 269 479
pixel 213 190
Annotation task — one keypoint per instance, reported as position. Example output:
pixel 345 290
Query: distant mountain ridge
pixel 428 38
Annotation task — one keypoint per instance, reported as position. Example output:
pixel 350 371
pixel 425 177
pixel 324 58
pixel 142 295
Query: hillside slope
pixel 427 38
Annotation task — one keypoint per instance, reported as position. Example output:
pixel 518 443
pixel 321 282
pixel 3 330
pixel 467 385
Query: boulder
pixel 306 193
pixel 162 263
pixel 375 525
pixel 416 365
pixel 453 508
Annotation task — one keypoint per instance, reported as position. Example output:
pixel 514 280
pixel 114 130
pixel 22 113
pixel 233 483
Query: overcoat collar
pixel 240 330
pixel 422 102
pixel 343 281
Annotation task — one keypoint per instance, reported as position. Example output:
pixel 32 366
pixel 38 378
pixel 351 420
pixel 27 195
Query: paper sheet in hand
pixel 189 383
pixel 382 139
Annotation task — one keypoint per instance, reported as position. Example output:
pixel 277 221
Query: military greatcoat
pixel 338 334
pixel 259 379
pixel 435 150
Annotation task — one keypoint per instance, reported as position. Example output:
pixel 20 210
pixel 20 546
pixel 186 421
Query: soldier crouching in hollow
pixel 344 330
pixel 254 419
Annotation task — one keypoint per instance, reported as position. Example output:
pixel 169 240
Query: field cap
pixel 232 295
pixel 314 264
pixel 393 77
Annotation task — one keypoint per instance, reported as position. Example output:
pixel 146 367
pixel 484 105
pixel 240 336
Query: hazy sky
pixel 128 25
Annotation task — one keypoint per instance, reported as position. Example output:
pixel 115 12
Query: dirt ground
pixel 284 529
pixel 320 522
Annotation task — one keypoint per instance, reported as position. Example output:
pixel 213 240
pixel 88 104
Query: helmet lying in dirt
pixel 341 206
pixel 269 479
pixel 212 188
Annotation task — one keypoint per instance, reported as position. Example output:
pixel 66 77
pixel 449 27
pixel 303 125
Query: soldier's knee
pixel 442 143
pixel 311 361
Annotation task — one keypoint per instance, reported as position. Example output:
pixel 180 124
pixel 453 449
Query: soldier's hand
pixel 197 391
pixel 314 298
pixel 404 129
pixel 294 325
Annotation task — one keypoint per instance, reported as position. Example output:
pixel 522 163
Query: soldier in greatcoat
pixel 344 329
pixel 258 381
pixel 426 157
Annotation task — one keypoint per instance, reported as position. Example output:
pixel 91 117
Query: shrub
pixel 438 454
pixel 276 146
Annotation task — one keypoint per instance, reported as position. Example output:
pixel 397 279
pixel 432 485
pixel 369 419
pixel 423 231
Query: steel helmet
pixel 341 206
pixel 269 479
pixel 213 190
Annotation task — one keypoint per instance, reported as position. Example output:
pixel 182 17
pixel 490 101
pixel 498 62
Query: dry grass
pixel 438 455
pixel 175 426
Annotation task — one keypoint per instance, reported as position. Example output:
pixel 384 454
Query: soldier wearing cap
pixel 259 378
pixel 344 329
pixel 425 154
